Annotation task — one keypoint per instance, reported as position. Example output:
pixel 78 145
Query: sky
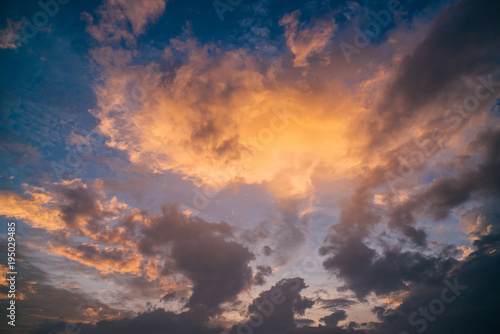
pixel 251 166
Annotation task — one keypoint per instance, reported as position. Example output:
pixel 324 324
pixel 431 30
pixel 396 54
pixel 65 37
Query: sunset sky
pixel 251 166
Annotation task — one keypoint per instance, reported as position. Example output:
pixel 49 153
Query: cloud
pixel 154 322
pixel 266 250
pixel 276 308
pixel 289 232
pixel 115 16
pixel 218 114
pixel 364 271
pixel 32 209
pixel 9 36
pixel 363 268
pixel 306 41
pixel 334 318
pixel 106 235
pixel 111 58
pixel 105 259
pixel 478 181
pixel 68 205
pixel 482 220
pixel 262 272
pixel 217 266
pixel 38 300
pixel 472 308
pixel 228 117
pixel 335 304
pixel 462 41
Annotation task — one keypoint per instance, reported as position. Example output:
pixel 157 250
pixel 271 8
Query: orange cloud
pixel 9 36
pixel 306 41
pixel 222 119
pixel 36 209
pixel 64 205
pixel 105 259
pixel 116 15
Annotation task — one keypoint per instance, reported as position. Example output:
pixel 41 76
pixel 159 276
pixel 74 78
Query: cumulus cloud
pixel 473 306
pixel 334 318
pixel 122 241
pixel 461 42
pixel 364 271
pixel 227 114
pixel 276 308
pixel 115 16
pixel 224 116
pixel 305 41
pixel 9 36
pixel 362 268
pixel 68 205
pixel 217 268
pixel 105 259
pixel 260 275
pixel 32 208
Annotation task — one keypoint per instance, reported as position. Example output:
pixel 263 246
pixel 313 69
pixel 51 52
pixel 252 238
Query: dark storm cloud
pixel 168 296
pixel 153 322
pixel 335 304
pixel 470 301
pixel 260 276
pixel 472 308
pixel 173 226
pixel 275 309
pixel 157 321
pixel 364 271
pixel 446 193
pixel 334 318
pixel 217 267
pixel 462 41
pixel 266 250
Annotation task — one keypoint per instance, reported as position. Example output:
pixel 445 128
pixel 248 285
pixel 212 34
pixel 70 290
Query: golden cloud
pixel 222 119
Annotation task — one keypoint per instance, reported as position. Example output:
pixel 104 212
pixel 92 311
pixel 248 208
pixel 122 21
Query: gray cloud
pixel 277 307
pixel 335 304
pixel 462 41
pixel 334 318
pixel 260 275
